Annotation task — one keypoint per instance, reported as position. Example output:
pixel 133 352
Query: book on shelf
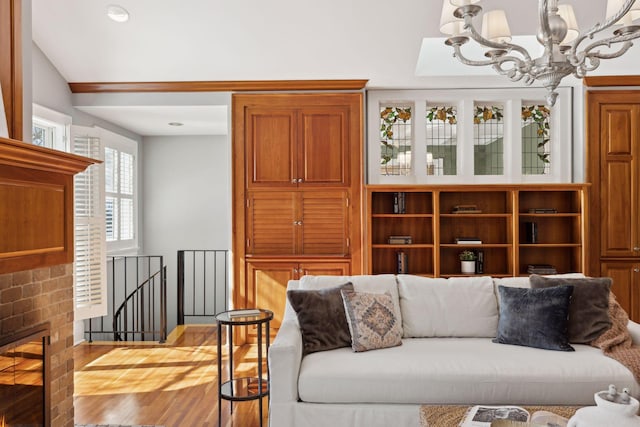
pixel 400 240
pixel 543 210
pixel 507 416
pixel 247 312
pixel 468 240
pixel 541 269
pixel 479 261
pixel 463 209
pixel 402 262
pixel 399 206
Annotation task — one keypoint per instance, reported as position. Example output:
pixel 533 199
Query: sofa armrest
pixel 285 356
pixel 634 330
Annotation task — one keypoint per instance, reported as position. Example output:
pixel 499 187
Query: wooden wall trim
pixel 11 64
pixel 217 86
pixel 602 81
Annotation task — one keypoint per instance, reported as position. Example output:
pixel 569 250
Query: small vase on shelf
pixel 467 262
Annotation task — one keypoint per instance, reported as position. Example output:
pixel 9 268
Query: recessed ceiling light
pixel 117 13
pixel 175 124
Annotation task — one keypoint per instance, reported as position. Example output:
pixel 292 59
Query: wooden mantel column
pixel 11 64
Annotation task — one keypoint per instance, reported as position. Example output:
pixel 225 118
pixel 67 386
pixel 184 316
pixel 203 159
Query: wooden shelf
pixel 561 236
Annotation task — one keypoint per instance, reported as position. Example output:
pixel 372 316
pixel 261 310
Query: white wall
pixel 187 199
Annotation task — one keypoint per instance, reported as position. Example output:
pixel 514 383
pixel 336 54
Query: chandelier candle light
pixel 558 33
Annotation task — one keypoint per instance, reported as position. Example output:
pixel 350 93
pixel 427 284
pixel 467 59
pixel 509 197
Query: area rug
pixel 451 415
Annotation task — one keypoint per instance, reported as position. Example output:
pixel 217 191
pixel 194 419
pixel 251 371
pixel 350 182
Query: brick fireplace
pixel 30 298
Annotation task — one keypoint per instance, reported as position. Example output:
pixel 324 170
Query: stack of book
pixel 543 210
pixel 400 240
pixel 462 209
pixel 468 241
pixel 541 269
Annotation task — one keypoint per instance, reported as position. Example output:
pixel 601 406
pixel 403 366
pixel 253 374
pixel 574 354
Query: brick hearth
pixel 29 298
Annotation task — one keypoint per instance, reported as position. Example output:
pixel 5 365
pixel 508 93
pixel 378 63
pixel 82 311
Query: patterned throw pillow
pixel 372 321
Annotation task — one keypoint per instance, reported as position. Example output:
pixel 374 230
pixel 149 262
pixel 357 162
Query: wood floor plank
pixel 172 384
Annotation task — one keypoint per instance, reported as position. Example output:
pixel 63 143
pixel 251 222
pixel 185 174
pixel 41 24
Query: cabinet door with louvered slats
pixel 272 223
pixel 324 219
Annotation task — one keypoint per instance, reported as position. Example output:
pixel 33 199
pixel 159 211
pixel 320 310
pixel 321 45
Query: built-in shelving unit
pixel 498 216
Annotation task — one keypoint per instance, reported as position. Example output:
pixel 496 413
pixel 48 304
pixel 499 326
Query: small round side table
pixel 243 388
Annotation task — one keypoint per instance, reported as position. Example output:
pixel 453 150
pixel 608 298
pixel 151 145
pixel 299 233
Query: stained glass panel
pixel 536 142
pixel 488 139
pixel 395 140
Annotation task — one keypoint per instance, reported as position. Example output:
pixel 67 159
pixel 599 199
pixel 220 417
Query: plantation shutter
pixel 90 284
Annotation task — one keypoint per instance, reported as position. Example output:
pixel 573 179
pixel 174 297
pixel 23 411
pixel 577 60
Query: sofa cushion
pixel 589 308
pixel 372 321
pixel 460 371
pixel 534 317
pixel 321 317
pixel 375 283
pixel 454 307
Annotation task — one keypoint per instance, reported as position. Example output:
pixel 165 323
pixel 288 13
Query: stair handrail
pixel 163 315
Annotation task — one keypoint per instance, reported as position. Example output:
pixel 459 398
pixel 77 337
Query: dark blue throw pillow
pixel 534 317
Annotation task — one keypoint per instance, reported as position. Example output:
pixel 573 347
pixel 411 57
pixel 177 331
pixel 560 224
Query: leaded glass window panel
pixel 395 140
pixel 488 139
pixel 441 139
pixel 536 139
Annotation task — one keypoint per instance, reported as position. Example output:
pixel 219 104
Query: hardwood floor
pixel 172 384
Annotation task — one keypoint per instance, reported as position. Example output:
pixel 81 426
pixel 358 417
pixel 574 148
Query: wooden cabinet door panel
pixel 626 279
pixel 325 268
pixel 619 180
pixel 271 147
pixel 324 153
pixel 267 286
pixel 271 223
pixel 324 228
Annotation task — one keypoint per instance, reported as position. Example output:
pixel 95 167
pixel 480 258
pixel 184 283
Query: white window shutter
pixel 90 278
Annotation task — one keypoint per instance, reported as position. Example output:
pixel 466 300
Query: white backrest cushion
pixel 454 307
pixel 375 283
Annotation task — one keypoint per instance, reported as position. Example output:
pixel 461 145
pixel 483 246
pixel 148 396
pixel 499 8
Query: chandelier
pixel 558 33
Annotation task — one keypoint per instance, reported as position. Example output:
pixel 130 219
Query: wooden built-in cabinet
pixel 626 284
pixel 500 224
pixel 297 188
pixel 613 153
pixel 297 145
pixel 295 222
pixel 267 280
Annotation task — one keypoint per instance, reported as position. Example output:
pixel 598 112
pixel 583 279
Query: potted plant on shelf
pixel 467 262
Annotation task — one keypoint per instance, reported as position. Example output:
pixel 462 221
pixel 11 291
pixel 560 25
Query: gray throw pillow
pixel 321 316
pixel 589 308
pixel 534 317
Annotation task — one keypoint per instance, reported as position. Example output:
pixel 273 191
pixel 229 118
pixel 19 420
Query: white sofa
pixel 456 363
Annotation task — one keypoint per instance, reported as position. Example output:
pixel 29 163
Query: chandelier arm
pixel 625 47
pixel 519 70
pixel 498 60
pixel 473 33
pixel 599 27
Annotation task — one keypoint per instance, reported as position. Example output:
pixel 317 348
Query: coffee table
pixel 451 415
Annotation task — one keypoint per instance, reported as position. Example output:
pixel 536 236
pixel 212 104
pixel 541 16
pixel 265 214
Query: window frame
pixel 59 122
pixel 464 100
pixel 123 144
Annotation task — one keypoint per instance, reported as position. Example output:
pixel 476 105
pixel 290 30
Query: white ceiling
pixel 171 40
